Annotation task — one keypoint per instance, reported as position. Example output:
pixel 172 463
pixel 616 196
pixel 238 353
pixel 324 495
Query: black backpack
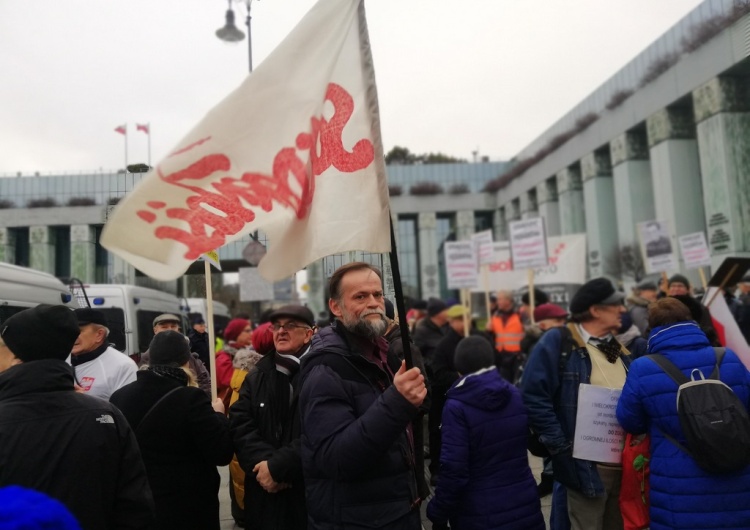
pixel 714 421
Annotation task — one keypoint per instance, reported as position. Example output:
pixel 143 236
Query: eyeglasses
pixel 289 326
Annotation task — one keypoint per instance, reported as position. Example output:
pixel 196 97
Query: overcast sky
pixel 453 76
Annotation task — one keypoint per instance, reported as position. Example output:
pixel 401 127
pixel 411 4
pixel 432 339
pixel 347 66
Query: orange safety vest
pixel 508 335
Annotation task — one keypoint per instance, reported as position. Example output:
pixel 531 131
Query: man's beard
pixel 362 325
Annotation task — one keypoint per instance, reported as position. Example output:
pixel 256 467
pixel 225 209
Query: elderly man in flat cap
pixel 265 426
pixel 99 368
pixel 75 448
pixel 583 352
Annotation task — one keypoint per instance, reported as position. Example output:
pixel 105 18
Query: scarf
pixel 610 348
pixel 75 360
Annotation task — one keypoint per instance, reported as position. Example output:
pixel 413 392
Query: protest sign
pixel 656 247
pixel 694 250
pixel 528 244
pixel 483 243
pixel 460 264
pixel 598 436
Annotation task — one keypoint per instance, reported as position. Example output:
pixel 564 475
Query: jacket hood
pixel 679 336
pixel 485 390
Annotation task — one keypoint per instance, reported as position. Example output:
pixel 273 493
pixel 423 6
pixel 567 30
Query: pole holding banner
pixel 464 293
pixel 210 325
pixel 702 274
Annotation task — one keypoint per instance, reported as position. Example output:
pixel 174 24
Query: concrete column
pixel 549 206
pixel 428 255
pixel 675 169
pixel 500 225
pixel 7 245
pixel 42 249
pixel 464 224
pixel 634 193
pixel 723 129
pixel 513 211
pixel 528 204
pixel 83 253
pixel 570 197
pixel 601 220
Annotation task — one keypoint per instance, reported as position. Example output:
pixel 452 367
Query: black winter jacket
pixel 357 456
pixel 75 448
pixel 182 442
pixel 265 426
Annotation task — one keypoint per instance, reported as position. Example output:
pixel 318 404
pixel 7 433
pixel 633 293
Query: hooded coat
pixel 683 496
pixel 485 478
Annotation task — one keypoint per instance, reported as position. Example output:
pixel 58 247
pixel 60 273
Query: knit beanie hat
pixel 435 306
pixel 679 278
pixel 262 339
pixel 234 328
pixel 26 509
pixel 473 354
pixel 169 348
pixel 42 332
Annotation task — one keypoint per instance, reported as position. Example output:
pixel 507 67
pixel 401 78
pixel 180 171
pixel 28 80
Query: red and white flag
pixel 295 151
pixel 122 129
pixel 142 127
pixel 726 326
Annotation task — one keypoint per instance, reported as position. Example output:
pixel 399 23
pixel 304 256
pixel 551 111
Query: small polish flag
pixel 144 128
pixel 122 129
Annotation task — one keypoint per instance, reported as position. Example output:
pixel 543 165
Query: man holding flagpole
pixel 357 405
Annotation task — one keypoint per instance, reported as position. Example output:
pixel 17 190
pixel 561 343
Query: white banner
pixel 694 250
pixel 528 244
pixel 295 150
pixel 483 244
pixel 460 264
pixel 598 435
pixel 656 247
pixel 563 276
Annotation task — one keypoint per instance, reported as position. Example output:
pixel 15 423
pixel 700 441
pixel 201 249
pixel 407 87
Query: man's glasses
pixel 289 326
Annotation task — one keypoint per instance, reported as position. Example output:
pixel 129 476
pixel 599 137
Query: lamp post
pixel 230 33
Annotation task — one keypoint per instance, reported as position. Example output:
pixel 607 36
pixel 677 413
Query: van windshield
pixel 116 324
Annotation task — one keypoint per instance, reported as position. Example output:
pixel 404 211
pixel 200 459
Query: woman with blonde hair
pixel 182 436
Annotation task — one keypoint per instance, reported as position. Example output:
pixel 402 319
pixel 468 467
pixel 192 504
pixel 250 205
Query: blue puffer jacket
pixel 485 479
pixel 357 457
pixel 683 496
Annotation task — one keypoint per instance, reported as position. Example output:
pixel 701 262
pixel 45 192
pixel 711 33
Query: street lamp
pixel 230 33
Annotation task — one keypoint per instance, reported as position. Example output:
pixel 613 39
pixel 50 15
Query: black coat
pixel 426 336
pixel 357 455
pixel 199 345
pixel 76 448
pixel 182 442
pixel 265 426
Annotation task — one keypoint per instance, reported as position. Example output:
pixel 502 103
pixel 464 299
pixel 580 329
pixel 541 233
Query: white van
pixel 130 312
pixel 199 307
pixel 22 288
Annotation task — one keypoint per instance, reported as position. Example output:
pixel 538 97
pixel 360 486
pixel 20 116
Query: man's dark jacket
pixel 265 426
pixel 182 441
pixel 75 448
pixel 199 345
pixel 357 455
pixel 427 335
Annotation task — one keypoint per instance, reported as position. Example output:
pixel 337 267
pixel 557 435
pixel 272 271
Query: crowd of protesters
pixel 324 426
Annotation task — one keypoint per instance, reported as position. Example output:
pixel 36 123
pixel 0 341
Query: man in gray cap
pixel 583 352
pixel 637 303
pixel 75 448
pixel 265 426
pixel 99 368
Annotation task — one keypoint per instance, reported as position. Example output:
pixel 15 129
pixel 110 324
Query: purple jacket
pixel 485 480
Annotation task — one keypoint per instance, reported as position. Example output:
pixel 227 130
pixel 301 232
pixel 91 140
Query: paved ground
pixel 227 523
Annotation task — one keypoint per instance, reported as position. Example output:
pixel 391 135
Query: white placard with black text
pixel 460 264
pixel 528 244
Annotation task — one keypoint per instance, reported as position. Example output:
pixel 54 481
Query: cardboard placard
pixel 460 264
pixel 598 437
pixel 528 244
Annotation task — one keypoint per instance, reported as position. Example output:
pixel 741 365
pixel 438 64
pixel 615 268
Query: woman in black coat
pixel 182 436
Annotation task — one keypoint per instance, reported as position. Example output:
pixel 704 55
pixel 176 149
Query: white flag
pixel 295 151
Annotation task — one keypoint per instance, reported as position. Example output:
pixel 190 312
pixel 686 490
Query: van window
pixel 116 324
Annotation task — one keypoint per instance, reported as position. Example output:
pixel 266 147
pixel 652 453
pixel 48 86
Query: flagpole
pixel 402 323
pixel 210 325
pixel 148 133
